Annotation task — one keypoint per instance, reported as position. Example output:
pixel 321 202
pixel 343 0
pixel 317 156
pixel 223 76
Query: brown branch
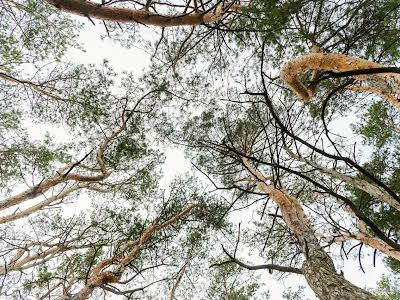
pixel 359 183
pixel 142 16
pixel 36 87
pixel 63 175
pixel 179 277
pixel 260 267
pixel 318 268
pixel 126 254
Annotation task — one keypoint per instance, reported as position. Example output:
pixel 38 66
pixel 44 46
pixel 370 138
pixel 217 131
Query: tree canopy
pixel 287 111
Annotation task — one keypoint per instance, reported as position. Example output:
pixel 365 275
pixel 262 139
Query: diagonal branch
pixel 126 254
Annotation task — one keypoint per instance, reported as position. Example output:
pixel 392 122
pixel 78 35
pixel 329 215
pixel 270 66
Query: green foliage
pixel 388 289
pixel 43 277
pixel 18 154
pixel 229 282
pixel 377 128
pixel 393 264
pixel 183 106
pixel 31 31
pixel 272 17
pixel 362 28
pixel 378 125
pixel 294 294
pixel 383 215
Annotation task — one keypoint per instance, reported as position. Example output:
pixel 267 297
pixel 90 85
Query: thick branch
pixel 366 239
pixel 126 254
pixel 359 183
pixel 65 174
pixel 142 16
pixel 385 84
pixel 40 205
pixel 34 87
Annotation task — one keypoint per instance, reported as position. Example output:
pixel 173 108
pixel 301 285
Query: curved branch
pixel 65 174
pixel 318 267
pixel 26 212
pixel 366 239
pixel 346 160
pixel 381 81
pixel 36 87
pixel 126 254
pixel 359 183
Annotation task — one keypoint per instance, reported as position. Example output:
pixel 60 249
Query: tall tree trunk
pixel 318 267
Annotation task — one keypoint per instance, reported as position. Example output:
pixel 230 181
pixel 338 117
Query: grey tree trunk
pixel 321 275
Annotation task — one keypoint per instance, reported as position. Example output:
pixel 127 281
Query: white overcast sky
pixel 134 60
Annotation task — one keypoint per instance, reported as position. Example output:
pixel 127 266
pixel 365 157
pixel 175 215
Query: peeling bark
pixel 143 16
pixel 386 85
pixel 126 254
pixel 318 267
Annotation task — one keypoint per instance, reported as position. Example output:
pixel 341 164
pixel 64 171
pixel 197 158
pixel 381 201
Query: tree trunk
pixel 318 267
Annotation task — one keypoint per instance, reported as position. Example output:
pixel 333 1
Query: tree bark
pixel 126 254
pixel 366 239
pixel 179 277
pixel 142 16
pixel 318 267
pixel 359 183
pixel 386 85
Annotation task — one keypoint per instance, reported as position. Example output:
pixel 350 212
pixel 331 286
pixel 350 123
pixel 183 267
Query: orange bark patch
pixel 386 85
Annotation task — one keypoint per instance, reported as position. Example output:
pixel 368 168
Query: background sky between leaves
pixel 135 60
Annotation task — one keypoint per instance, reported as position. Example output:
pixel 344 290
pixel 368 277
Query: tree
pixel 192 14
pixel 257 144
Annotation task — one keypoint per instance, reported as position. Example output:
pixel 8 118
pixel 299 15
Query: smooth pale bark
pixel 40 205
pixel 30 256
pixel 47 184
pixel 179 278
pixel 142 16
pixel 388 87
pixel 126 254
pixel 318 267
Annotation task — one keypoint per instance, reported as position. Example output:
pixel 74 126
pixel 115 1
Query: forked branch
pixel 102 274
